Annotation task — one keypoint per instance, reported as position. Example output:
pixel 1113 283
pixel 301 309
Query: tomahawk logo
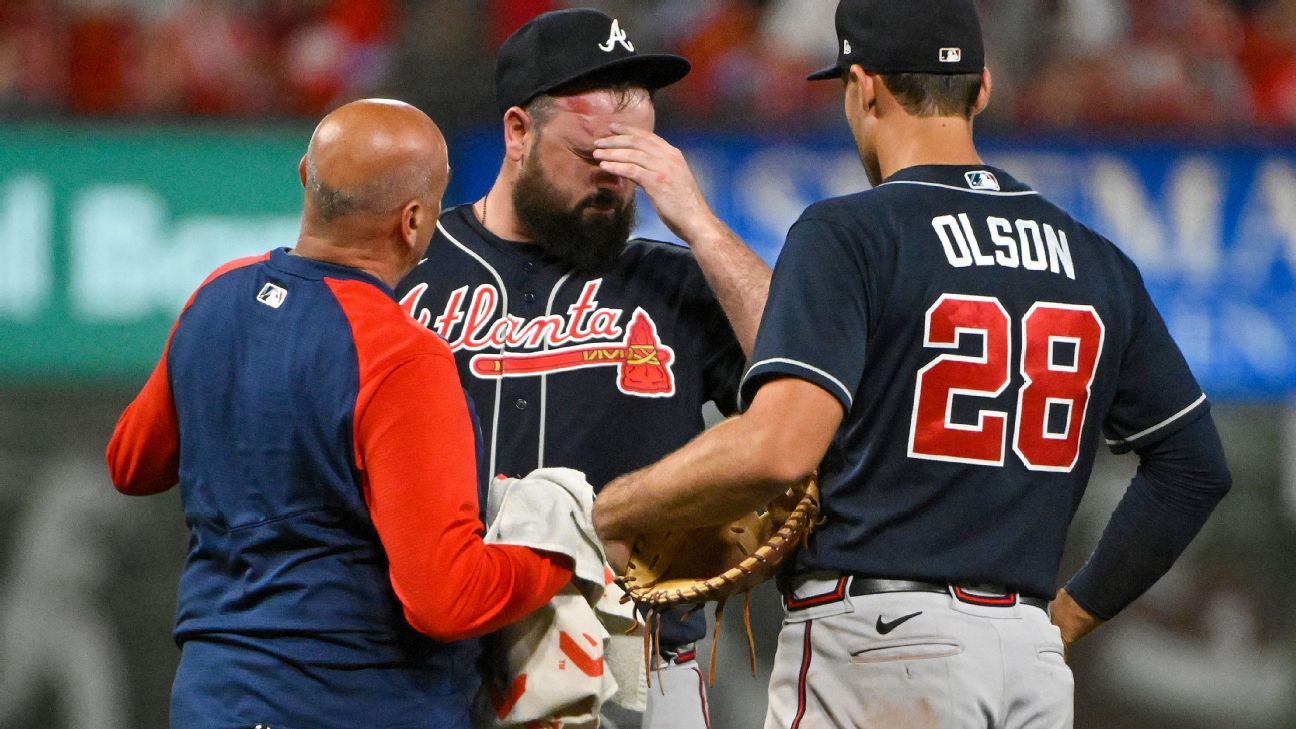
pixel 616 36
pixel 589 335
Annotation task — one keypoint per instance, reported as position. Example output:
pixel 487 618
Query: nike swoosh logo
pixel 884 627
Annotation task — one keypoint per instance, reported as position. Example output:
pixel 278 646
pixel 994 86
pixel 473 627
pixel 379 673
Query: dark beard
pixel 587 244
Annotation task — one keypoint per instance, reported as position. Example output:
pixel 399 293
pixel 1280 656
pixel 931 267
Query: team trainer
pixel 326 462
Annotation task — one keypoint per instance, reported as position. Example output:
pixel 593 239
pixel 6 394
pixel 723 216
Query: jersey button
pixel 529 266
pixel 528 297
pixel 520 404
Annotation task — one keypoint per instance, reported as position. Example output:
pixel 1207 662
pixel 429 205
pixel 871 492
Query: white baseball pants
pixel 916 660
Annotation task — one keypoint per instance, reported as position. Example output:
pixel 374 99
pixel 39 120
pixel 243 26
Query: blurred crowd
pixel 1117 64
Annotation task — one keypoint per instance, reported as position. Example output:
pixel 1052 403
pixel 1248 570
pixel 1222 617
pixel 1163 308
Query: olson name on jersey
pixel 1017 243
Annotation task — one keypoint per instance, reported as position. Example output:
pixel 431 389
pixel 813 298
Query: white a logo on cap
pixel 951 55
pixel 845 47
pixel 616 36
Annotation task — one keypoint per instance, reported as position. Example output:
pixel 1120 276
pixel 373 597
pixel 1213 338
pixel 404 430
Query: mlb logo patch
pixel 951 55
pixel 982 180
pixel 845 48
pixel 272 296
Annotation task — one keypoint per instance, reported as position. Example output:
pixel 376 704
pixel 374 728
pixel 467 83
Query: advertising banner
pixel 104 233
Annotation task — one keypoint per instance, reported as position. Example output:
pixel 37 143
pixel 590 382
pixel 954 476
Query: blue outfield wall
pixel 105 230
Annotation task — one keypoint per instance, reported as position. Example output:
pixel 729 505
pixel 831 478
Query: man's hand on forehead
pixel 650 162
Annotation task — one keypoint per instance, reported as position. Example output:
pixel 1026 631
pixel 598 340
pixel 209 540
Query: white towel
pixel 556 667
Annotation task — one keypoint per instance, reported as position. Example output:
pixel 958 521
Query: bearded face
pixel 587 234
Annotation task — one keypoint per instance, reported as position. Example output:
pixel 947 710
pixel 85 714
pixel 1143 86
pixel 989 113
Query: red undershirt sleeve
pixel 144 453
pixel 414 445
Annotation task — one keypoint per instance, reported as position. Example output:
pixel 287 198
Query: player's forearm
pixel 730 469
pixel 719 476
pixel 737 276
pixel 1176 488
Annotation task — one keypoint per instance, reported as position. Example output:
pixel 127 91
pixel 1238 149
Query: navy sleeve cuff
pixel 767 369
pixel 1181 419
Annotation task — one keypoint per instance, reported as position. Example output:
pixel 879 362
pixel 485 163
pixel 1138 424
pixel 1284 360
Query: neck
pixel 909 142
pixel 495 210
pixel 363 255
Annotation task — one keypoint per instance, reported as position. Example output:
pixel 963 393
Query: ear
pixel 519 130
pixel 301 171
pixel 412 221
pixel 983 96
pixel 865 84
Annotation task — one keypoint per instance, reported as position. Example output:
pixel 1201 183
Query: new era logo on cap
pixel 981 180
pixel 951 55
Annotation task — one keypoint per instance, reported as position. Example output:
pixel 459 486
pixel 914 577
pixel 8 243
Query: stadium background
pixel 142 142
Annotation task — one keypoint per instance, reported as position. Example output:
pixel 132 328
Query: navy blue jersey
pixel 604 373
pixel 982 343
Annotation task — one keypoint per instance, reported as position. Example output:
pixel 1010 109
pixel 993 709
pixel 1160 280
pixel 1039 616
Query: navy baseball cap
pixel 569 47
pixel 907 36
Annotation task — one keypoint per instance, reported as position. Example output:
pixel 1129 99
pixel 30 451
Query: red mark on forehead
pixel 582 104
pixel 588 116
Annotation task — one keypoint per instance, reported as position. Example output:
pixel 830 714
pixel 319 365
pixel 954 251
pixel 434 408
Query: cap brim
pixel 650 70
pixel 822 74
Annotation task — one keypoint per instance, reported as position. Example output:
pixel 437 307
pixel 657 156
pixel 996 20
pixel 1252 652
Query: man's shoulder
pixel 660 249
pixel 456 252
pixel 378 322
pixel 854 217
pixel 851 208
pixel 660 257
pixel 455 228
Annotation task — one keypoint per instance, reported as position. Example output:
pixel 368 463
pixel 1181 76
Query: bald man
pixel 336 575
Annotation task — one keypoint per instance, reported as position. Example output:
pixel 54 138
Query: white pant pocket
pixel 909 649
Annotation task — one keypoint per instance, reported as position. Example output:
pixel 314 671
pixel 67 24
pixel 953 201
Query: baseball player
pixel 948 350
pixel 579 347
pixel 325 456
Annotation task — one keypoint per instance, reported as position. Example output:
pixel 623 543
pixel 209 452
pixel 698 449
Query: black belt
pixel 988 595
pixel 984 595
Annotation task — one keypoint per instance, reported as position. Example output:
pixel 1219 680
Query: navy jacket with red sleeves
pixel 326 460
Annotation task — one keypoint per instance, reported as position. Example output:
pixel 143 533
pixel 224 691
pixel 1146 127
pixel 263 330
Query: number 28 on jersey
pixel 1059 349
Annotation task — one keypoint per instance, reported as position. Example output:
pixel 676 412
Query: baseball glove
pixel 690 567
